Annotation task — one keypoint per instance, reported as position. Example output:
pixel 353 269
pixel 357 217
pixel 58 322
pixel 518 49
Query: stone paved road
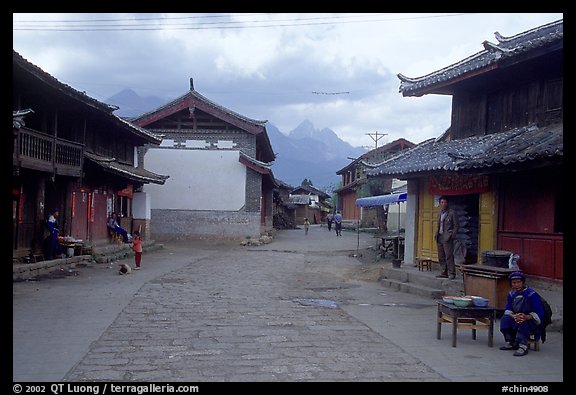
pixel 248 315
pixel 209 312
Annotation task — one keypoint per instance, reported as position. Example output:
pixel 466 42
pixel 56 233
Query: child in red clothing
pixel 137 248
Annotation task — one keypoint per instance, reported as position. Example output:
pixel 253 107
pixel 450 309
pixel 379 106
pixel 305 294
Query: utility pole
pixel 376 136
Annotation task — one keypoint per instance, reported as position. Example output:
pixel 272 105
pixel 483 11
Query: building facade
pixel 501 160
pixel 73 153
pixel 221 182
pixel 356 184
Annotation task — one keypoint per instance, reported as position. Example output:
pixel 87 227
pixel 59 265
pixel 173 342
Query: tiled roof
pixel 131 172
pixel 197 96
pixel 363 159
pixel 517 145
pixel 50 80
pixel 299 199
pixel 106 110
pixel 492 54
pixel 192 100
pixel 311 191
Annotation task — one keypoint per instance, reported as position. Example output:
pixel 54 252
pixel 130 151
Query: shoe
pixel 509 346
pixel 452 276
pixel 442 275
pixel 522 350
pixel 137 268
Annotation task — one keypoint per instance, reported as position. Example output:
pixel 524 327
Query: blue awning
pixel 381 200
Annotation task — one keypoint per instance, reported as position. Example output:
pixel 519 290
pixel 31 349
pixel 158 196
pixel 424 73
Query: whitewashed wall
pixel 199 180
pixel 141 205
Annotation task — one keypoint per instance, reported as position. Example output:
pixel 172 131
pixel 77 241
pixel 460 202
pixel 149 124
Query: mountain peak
pixel 305 129
pixel 131 104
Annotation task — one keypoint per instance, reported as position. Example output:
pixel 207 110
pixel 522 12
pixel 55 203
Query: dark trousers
pixel 517 333
pixel 446 257
pixel 338 228
pixel 51 247
pixel 122 232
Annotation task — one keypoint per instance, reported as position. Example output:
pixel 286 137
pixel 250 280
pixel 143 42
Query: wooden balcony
pixel 38 151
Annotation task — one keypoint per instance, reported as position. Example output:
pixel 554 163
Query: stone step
pixel 422 283
pixel 411 288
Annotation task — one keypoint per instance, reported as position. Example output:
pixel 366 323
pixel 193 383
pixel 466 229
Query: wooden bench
pixel 425 263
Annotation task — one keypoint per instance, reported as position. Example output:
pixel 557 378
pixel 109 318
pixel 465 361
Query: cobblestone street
pixel 302 308
pixel 238 316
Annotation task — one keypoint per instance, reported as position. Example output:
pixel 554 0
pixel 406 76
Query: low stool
pixel 424 263
pixel 534 343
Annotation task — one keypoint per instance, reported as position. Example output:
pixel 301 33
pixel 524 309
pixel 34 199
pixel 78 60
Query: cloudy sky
pixel 337 70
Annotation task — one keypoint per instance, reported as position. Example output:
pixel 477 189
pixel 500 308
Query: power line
pixel 330 93
pixel 313 21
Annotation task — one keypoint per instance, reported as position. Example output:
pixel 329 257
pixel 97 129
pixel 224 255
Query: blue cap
pixel 518 275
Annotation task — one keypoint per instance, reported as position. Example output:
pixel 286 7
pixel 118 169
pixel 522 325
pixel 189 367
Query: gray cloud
pixel 271 73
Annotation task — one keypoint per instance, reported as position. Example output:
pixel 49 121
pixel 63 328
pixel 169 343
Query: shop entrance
pixel 466 240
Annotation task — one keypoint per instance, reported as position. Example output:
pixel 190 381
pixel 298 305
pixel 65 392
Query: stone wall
pixel 193 224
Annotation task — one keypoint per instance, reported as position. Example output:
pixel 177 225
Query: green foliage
pixel 373 187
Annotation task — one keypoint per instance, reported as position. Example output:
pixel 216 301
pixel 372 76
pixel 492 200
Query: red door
pixel 99 215
pixel 80 201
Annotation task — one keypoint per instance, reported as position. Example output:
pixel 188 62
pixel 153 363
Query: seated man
pixel 522 317
pixel 114 227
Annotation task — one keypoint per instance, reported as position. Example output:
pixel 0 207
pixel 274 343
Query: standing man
pixel 338 223
pixel 447 229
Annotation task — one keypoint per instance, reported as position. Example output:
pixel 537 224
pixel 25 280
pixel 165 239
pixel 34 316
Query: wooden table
pixel 70 244
pixel 470 317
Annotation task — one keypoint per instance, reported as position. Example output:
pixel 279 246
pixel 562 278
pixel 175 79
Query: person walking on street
pixel 306 225
pixel 444 236
pixel 338 223
pixel 137 248
pixel 329 219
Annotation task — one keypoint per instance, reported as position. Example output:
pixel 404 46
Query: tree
pixel 375 187
pixel 306 183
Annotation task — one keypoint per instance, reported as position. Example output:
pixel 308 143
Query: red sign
pixel 458 184
pixel 128 191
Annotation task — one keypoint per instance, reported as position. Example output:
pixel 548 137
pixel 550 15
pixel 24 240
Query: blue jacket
pixel 526 301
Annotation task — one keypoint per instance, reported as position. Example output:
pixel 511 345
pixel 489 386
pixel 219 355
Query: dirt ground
pixel 370 265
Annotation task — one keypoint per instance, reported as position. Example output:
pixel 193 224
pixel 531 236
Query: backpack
pixel 547 319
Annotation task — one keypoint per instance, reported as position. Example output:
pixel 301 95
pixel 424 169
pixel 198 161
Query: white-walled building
pixel 219 164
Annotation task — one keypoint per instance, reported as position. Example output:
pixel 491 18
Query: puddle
pixel 317 302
